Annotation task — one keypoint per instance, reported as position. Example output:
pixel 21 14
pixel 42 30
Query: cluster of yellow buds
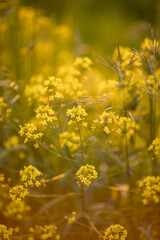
pixel 29 179
pixel 152 82
pixel 18 193
pixel 30 132
pixel 45 232
pixel 72 218
pixel 82 64
pixel 115 232
pixel 6 233
pixel 112 123
pixel 45 114
pixel 70 139
pixel 125 125
pixel 155 146
pixel 4 109
pixel 35 91
pixel 54 88
pixel 85 174
pixel 102 119
pixel 29 176
pixel 2 179
pixel 63 32
pixel 126 55
pixel 148 45
pixel 16 210
pixel 150 189
pixel 12 141
pixel 77 115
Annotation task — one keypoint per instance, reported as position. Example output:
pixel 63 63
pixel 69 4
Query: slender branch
pixel 81 144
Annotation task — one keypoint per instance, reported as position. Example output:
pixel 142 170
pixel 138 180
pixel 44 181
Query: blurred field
pixel 79 120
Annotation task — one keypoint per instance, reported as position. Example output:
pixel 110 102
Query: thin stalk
pixel 83 199
pixel 125 137
pixel 127 158
pixel 154 125
pixel 153 116
pixel 81 145
pixel 58 113
pixel 131 203
pixel 152 132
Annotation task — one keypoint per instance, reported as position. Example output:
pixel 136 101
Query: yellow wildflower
pixel 82 63
pixel 115 232
pixel 155 146
pixel 12 141
pixel 16 210
pixel 70 139
pixel 5 232
pixel 72 218
pixel 77 115
pixel 30 131
pixel 18 193
pixel 112 123
pixel 148 44
pixel 45 232
pixel 29 176
pixel 63 32
pixel 150 189
pixel 35 91
pixel 4 110
pixel 45 114
pixel 54 88
pixel 85 174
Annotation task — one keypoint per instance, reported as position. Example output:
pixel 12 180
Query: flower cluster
pixel 6 233
pixel 72 218
pixel 153 82
pixel 45 114
pixel 115 232
pixel 70 139
pixel 18 193
pixel 112 123
pixel 29 176
pixel 82 64
pixel 77 115
pixel 148 45
pixel 77 73
pixel 85 174
pixel 63 32
pixel 150 189
pixel 12 141
pixel 126 56
pixel 34 91
pixel 155 146
pixel 125 125
pixel 54 87
pixel 4 109
pixel 45 232
pixel 102 119
pixel 16 210
pixel 30 132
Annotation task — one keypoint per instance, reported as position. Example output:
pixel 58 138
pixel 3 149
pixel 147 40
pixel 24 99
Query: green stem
pixel 58 113
pixel 83 199
pixel 81 144
pixel 125 136
pixel 127 158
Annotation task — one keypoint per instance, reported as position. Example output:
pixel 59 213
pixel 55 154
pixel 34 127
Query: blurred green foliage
pixel 101 23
